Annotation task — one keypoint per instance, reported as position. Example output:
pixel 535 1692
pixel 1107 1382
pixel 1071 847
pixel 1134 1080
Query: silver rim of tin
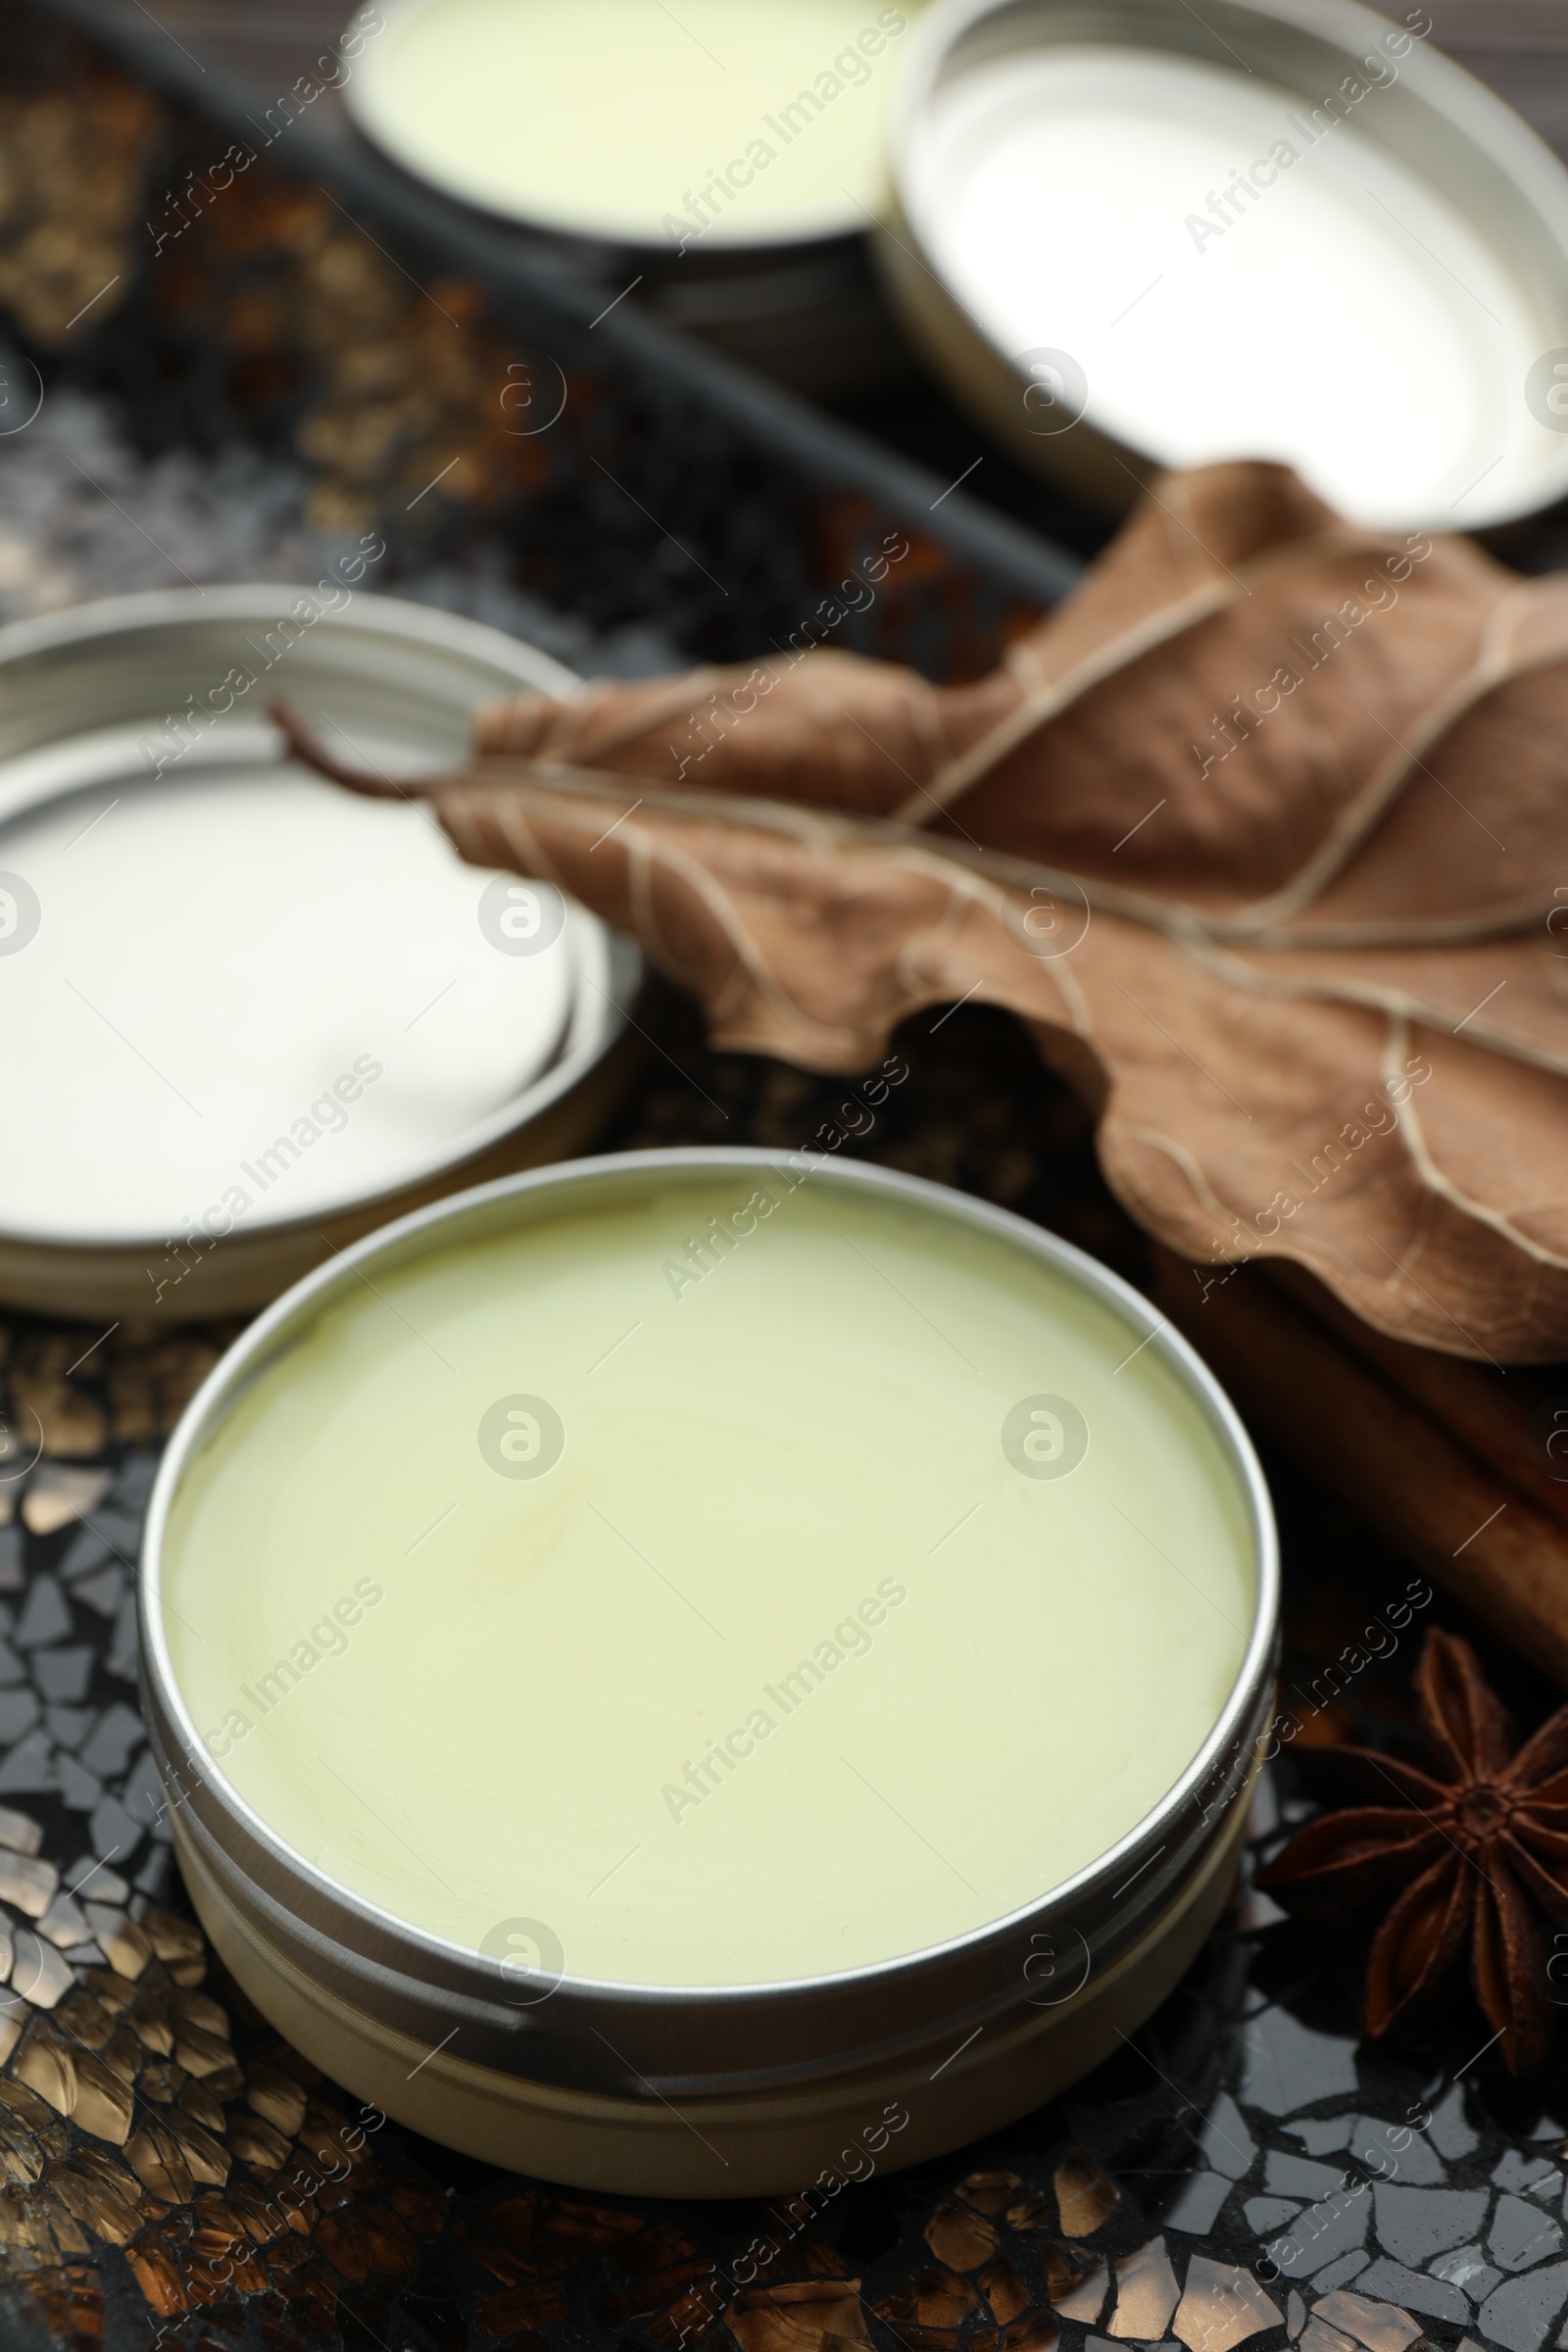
pixel 1470 115
pixel 639 2042
pixel 607 967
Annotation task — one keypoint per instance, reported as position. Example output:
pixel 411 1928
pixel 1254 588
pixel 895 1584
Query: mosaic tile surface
pixel 1245 2173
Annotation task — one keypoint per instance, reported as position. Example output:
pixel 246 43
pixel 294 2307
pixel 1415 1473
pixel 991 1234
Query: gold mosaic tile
pixel 958 2235
pixel 1078 2282
pixel 989 2193
pixel 803 2317
pixel 1086 2195
pixel 1379 2326
pixel 1221 2306
pixel 1146 2292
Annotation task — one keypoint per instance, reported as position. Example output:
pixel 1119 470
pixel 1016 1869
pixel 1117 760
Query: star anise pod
pixel 1470 1853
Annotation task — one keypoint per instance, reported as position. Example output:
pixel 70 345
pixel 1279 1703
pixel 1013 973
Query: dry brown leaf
pixel 1262 830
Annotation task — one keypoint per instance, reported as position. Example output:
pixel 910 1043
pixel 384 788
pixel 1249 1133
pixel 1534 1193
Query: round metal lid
pixel 230 991
pixel 1285 229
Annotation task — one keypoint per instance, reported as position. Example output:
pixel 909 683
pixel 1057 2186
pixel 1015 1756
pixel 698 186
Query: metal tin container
pixel 651 2088
pixel 797 300
pixel 1133 235
pixel 204 938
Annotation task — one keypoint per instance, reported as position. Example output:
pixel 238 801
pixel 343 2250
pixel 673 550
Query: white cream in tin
pixel 236 994
pixel 730 121
pixel 745 1580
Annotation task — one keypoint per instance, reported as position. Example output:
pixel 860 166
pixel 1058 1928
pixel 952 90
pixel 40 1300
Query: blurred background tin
pixel 601 136
pixel 1133 235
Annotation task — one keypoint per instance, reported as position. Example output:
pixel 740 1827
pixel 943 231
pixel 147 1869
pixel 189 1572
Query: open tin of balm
pixel 666 1665
pixel 721 162
pixel 243 1016
pixel 1136 233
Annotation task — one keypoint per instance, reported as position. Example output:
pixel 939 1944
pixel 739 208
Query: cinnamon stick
pixel 1488 1408
pixel 1473 1531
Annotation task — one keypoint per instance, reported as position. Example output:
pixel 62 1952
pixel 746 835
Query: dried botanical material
pixel 1086 2194
pixel 1260 830
pixel 1428 1494
pixel 1460 1859
pixel 72 201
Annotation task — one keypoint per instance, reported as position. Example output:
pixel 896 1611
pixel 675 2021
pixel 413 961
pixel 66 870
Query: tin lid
pixel 1272 228
pixel 232 995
